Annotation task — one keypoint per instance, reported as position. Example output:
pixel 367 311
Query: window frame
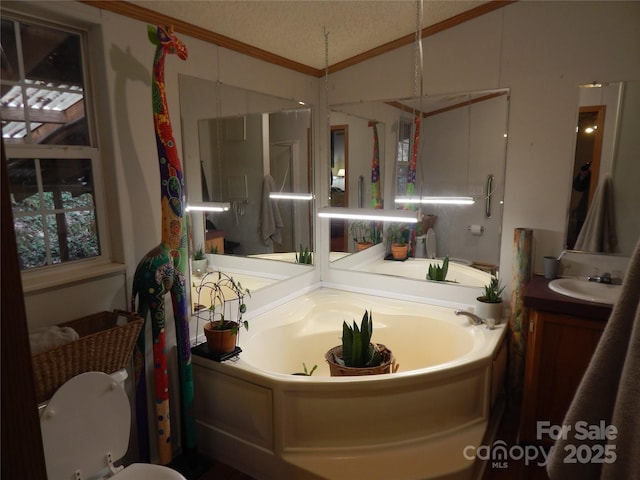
pixel 75 270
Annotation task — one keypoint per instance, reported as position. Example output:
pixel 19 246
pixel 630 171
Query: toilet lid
pixel 88 417
pixel 431 243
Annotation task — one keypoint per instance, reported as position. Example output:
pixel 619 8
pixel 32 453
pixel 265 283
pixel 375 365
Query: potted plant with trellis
pixel 222 301
pixel 361 232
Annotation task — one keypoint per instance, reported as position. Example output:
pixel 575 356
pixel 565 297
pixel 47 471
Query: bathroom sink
pixel 585 290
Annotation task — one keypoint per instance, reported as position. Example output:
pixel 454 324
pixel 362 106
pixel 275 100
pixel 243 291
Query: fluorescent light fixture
pixel 437 200
pixel 376 214
pixel 208 207
pixel 291 196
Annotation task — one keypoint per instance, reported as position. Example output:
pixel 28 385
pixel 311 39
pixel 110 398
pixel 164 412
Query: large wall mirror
pixel 603 210
pixel 241 150
pixel 460 152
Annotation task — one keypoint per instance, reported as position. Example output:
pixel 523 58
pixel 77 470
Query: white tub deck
pixel 255 415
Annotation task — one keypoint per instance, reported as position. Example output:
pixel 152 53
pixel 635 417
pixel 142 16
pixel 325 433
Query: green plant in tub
pixel 357 349
pixel 306 373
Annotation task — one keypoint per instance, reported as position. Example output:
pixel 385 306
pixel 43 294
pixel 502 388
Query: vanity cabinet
pixel 562 336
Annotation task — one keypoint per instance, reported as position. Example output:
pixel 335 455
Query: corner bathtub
pixel 254 414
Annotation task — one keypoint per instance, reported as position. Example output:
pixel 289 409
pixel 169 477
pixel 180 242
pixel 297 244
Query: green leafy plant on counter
pixel 492 292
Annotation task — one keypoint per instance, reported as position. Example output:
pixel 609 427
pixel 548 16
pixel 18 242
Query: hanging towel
pixel 270 220
pixel 598 234
pixel 609 392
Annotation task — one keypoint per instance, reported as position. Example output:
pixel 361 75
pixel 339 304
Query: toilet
pixel 85 430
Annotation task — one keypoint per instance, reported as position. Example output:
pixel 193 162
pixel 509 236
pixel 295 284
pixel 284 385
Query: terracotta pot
pixel 363 245
pixel 399 252
pixel 486 309
pixel 388 364
pixel 220 340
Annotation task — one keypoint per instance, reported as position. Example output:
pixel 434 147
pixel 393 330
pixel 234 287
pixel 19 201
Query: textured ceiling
pixel 294 29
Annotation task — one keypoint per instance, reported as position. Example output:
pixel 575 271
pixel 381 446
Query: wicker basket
pixel 103 346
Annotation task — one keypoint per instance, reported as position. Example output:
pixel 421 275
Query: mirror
pixel 240 148
pixel 602 215
pixel 461 152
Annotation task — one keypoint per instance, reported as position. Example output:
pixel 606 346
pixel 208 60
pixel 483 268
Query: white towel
pixel 270 220
pixel 598 234
pixel 609 392
pixel 46 338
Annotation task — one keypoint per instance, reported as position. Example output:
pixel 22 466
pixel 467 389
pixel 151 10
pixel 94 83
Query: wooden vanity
pixel 563 334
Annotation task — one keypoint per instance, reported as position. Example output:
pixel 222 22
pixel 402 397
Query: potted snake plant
pixel 358 355
pixel 489 304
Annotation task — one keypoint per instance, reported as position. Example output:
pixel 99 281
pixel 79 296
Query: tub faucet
pixel 473 318
pixel 604 278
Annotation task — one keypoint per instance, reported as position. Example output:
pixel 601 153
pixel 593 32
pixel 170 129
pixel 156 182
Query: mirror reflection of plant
pixel 305 257
pixel 223 292
pixel 398 234
pixel 198 254
pixel 438 272
pixel 361 231
pixel 212 249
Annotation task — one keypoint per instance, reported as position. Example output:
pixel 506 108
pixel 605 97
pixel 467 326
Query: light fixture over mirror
pixel 603 215
pixel 251 153
pixel 460 172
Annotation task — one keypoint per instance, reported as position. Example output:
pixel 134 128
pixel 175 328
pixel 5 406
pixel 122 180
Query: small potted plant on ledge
pixel 361 234
pixel 489 304
pixel 223 315
pixel 358 355
pixel 198 262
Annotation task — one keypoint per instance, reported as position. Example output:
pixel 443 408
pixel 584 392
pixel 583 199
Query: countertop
pixel 538 295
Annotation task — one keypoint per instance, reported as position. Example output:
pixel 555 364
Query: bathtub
pixel 417 268
pixel 254 414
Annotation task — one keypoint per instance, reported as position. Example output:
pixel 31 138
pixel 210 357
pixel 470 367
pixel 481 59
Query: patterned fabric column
pixel 376 198
pixel 518 323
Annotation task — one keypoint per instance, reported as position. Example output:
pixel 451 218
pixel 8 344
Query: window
pixel 51 157
pixel 405 143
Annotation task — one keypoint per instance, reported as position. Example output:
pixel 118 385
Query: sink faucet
pixel 473 318
pixel 604 278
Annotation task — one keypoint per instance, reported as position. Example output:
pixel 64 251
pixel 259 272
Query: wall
pixel 122 82
pixel 542 51
pixel 535 48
